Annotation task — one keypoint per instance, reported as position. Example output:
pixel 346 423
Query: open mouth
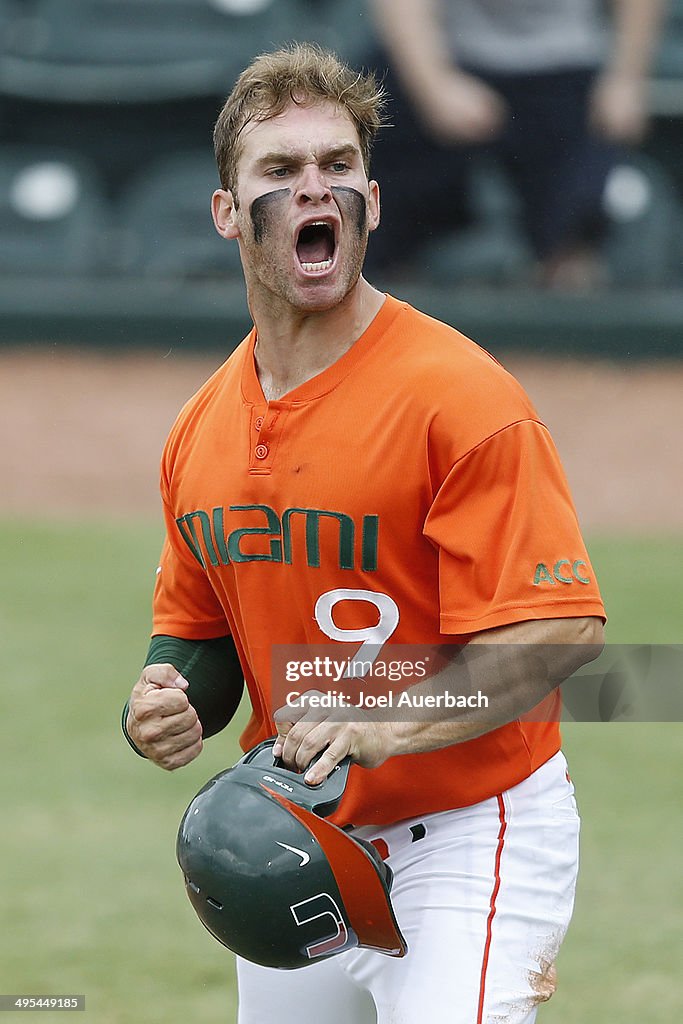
pixel 315 246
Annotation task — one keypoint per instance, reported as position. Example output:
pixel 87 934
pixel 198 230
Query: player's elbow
pixel 588 640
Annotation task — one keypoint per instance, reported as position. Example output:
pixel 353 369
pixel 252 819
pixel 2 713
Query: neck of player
pixel 295 345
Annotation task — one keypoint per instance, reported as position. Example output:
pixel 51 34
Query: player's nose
pixel 313 186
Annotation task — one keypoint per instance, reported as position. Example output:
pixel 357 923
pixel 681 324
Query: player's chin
pixel 320 296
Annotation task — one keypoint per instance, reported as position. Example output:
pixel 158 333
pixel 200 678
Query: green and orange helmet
pixel 271 879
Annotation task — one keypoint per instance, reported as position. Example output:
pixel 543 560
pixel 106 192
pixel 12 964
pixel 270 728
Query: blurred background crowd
pixel 535 144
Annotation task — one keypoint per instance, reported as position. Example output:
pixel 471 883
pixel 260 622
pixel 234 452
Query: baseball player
pixel 357 471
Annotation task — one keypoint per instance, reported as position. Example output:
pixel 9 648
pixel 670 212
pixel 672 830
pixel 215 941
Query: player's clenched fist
pixel 161 722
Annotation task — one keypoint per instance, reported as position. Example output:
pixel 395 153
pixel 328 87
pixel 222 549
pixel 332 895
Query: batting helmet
pixel 271 879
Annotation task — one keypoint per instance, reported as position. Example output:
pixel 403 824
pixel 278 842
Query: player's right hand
pixel 161 722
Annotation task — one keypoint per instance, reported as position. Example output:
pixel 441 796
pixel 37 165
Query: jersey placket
pixel 266 429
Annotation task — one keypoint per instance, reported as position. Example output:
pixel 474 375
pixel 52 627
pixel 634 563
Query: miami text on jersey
pixel 207 538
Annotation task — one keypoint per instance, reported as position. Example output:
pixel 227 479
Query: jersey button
pixel 258 422
pixel 261 451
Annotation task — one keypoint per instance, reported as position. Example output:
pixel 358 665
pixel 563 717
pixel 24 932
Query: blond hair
pixel 300 73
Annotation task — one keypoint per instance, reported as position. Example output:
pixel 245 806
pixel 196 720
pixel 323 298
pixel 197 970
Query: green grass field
pixel 92 899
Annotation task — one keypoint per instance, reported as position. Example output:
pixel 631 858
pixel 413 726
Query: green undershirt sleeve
pixel 213 671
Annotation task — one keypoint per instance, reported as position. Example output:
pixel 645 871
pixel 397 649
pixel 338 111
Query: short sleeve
pixel 185 604
pixel 508 538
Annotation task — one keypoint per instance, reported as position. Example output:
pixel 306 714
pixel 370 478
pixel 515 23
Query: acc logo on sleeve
pixel 563 571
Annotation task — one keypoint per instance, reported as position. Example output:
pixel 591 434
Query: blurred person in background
pixel 554 89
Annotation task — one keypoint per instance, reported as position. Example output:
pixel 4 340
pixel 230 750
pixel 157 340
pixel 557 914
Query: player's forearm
pixel 410 31
pixel 506 673
pixel 213 672
pixel 637 25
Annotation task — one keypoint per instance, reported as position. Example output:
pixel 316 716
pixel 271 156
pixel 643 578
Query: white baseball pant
pixel 483 896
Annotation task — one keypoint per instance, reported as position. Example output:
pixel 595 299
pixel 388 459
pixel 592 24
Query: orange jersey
pixel 414 470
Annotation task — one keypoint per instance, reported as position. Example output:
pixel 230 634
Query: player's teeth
pixel 317 266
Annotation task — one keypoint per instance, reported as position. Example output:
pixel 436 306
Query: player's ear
pixel 373 205
pixel 223 211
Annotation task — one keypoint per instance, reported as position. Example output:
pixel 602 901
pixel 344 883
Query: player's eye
pixel 339 165
pixel 279 172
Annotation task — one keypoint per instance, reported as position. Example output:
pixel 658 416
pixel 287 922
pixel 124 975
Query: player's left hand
pixel 305 732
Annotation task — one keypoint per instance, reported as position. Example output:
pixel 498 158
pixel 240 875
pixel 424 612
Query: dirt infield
pixel 82 432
